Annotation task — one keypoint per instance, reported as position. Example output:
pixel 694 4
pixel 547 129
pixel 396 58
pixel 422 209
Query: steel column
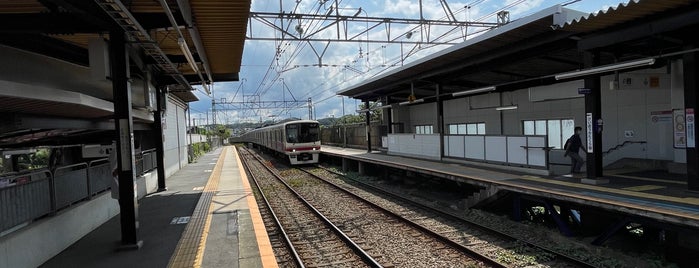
pixel 159 139
pixel 440 119
pixel 562 225
pixel 124 137
pixel 368 126
pixel 691 102
pixel 593 105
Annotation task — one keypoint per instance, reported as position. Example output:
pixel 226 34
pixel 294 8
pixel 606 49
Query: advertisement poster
pixel 689 118
pixel 679 129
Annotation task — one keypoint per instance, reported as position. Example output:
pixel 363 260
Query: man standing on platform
pixel 572 147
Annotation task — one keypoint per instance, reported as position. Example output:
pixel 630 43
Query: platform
pixel 636 193
pixel 208 217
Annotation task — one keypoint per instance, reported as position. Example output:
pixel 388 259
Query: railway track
pixel 310 239
pixel 392 240
pixel 511 250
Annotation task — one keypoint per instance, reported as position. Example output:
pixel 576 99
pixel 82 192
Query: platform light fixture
pixel 505 108
pixel 473 91
pixel 384 106
pixel 607 68
pixel 411 102
pixel 192 63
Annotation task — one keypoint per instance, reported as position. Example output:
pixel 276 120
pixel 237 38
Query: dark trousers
pixel 576 162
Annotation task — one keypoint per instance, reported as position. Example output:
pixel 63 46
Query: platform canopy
pixel 192 42
pixel 531 50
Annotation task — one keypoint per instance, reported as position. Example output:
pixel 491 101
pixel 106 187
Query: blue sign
pixel 584 91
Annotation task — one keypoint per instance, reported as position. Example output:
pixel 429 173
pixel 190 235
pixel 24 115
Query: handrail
pixel 14 176
pixel 148 151
pixel 622 145
pixel 90 164
pixel 70 166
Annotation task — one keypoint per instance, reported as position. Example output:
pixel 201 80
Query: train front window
pixel 302 133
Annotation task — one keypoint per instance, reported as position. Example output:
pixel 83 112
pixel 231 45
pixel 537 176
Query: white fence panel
pixel 537 155
pixel 516 150
pixel 475 147
pixel 496 148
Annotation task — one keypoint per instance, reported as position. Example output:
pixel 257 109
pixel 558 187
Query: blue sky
pixel 274 71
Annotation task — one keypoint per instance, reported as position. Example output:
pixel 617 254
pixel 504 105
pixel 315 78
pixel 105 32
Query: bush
pixel 198 149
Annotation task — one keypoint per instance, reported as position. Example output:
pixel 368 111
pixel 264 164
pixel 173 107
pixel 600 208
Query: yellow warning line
pixel 642 188
pixel 263 243
pixel 685 200
pixel 649 179
pixel 190 249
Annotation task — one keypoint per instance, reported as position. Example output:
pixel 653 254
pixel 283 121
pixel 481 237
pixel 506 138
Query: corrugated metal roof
pixel 622 13
pixel 512 33
pixel 222 26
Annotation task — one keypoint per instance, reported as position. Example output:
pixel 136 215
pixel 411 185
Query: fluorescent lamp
pixel 384 107
pixel 411 102
pixel 192 63
pixel 505 108
pixel 362 111
pixel 473 91
pixel 607 68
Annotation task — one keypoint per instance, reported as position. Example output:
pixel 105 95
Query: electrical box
pixel 96 150
pixel 98 53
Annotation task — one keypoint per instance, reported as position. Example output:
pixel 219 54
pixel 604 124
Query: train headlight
pixel 293 150
pixel 314 148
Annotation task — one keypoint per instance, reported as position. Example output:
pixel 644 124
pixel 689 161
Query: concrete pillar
pixel 362 168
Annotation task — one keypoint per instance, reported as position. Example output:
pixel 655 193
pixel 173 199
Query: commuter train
pixel 298 140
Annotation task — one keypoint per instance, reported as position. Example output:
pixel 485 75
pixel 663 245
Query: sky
pixel 272 70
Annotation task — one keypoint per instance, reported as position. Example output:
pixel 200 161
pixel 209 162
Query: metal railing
pixel 26 201
pixel 70 184
pixel 146 161
pixel 42 193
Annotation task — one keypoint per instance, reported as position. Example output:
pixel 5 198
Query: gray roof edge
pixel 561 16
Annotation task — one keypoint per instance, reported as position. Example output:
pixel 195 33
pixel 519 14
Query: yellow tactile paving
pixel 263 243
pixel 642 188
pixel 190 249
pixel 649 179
pixel 684 200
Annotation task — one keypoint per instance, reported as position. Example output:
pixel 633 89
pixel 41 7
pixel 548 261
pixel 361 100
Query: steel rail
pixel 446 240
pixel 461 219
pixel 287 240
pixel 358 250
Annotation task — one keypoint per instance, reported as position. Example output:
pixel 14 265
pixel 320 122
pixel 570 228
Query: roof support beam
pixel 640 31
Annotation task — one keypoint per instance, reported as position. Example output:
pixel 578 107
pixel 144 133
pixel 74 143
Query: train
pixel 298 140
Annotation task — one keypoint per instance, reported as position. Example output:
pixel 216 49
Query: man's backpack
pixel 568 143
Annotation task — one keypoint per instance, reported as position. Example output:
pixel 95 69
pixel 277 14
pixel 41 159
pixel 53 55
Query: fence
pixel 352 136
pixel 527 151
pixel 22 203
pixel 33 195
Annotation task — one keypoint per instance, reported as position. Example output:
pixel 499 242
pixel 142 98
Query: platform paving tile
pixel 160 238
